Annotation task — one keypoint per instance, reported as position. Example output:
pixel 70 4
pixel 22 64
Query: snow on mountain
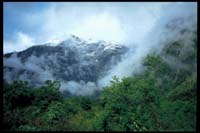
pixel 76 62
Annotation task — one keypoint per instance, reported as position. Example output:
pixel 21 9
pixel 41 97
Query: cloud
pixel 13 61
pixel 79 88
pixel 95 26
pixel 155 38
pixel 20 42
pixel 142 27
pixel 122 22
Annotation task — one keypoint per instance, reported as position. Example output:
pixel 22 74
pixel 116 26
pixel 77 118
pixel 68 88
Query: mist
pixel 142 27
pixel 153 40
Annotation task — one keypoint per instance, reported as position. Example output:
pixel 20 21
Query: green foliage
pixel 155 64
pixel 47 94
pixel 22 102
pixel 162 98
pixel 174 48
pixel 86 103
pixel 15 94
pixel 186 90
pixel 178 115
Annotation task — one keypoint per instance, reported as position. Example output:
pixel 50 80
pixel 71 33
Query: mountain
pixel 73 61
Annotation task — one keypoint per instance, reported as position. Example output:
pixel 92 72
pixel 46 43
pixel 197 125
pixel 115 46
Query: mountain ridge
pixel 72 60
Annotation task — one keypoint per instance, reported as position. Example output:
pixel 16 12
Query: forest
pixel 161 98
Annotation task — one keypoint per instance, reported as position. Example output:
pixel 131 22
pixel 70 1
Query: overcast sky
pixel 33 23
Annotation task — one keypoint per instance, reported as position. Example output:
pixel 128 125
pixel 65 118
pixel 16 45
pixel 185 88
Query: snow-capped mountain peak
pixel 73 59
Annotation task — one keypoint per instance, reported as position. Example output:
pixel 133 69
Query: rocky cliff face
pixel 71 61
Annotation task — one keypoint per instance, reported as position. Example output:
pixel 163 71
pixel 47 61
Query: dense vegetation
pixel 162 98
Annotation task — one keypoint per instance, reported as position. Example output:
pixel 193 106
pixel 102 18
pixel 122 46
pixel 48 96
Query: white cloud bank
pixel 140 26
pixel 20 42
pixel 121 22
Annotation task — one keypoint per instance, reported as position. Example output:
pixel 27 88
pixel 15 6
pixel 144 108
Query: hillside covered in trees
pixel 161 98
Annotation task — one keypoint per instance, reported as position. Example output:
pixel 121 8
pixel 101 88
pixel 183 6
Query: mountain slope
pixel 74 62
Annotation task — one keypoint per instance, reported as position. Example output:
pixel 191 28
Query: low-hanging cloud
pixel 142 27
pixel 165 30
